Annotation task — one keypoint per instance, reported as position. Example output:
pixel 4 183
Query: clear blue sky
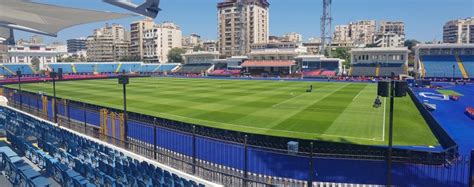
pixel 423 18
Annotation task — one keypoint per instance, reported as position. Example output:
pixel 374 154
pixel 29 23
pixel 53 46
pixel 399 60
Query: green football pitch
pixel 339 112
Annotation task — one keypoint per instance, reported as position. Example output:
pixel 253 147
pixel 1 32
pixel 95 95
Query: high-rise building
pixel 76 45
pixel 362 32
pixel 191 41
pixel 341 33
pixel 389 40
pixel 137 33
pixel 293 37
pixel 159 40
pixel 36 39
pixel 210 46
pixel 108 44
pixel 390 34
pixel 359 33
pixel 459 31
pixel 397 27
pixel 253 26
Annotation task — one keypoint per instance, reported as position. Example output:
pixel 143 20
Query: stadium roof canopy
pixel 47 19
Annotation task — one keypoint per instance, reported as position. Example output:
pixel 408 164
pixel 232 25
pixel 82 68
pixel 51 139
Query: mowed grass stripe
pixel 369 122
pixel 279 108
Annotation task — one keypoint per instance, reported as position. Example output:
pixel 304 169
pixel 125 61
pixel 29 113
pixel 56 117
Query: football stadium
pixel 341 110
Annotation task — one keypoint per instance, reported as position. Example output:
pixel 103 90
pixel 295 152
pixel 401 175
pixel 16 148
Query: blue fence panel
pixel 175 141
pixel 426 175
pixel 50 109
pixel 140 131
pixel 350 171
pixel 61 108
pixel 278 164
pixel 76 113
pixel 93 118
pixel 222 153
pixel 471 170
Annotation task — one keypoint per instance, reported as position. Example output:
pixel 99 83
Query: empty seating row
pixel 19 171
pixel 363 70
pixel 387 69
pixel 77 161
pixel 67 68
pixel 148 68
pixel 167 67
pixel 128 67
pixel 195 68
pixel 223 72
pixel 11 69
pixel 468 62
pixel 441 66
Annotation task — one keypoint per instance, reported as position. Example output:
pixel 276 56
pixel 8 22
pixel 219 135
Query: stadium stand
pixel 468 61
pixel 10 69
pixel 320 68
pixel 67 68
pixel 363 70
pixel 195 68
pixel 225 72
pixel 128 67
pixel 84 67
pixel 441 66
pixel 148 68
pixel 73 160
pixel 106 67
pixel 386 70
pixel 167 67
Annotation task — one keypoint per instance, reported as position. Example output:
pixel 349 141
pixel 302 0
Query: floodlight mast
pixel 149 8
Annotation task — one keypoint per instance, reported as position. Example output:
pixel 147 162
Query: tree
pixel 342 53
pixel 176 55
pixel 198 48
pixel 411 43
pixel 35 62
pixel 411 56
pixel 69 59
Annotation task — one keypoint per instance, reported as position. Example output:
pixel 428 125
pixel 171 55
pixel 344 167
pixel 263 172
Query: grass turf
pixel 340 112
pixel 449 92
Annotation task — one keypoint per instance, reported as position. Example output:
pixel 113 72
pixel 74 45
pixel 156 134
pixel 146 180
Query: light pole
pixel 454 71
pixel 391 89
pixel 18 74
pixel 55 75
pixel 123 80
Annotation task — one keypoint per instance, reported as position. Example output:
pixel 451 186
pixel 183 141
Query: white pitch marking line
pixel 357 95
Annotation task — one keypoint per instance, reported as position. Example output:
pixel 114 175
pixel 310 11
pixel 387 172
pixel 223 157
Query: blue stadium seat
pixel 67 67
pixel 90 164
pixel 129 67
pixel 84 67
pixel 106 67
pixel 468 61
pixel 10 69
pixel 441 66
